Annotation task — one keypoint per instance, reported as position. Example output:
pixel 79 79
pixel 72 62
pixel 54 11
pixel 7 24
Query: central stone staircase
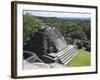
pixel 65 55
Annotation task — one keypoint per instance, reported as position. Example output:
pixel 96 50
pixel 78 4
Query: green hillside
pixel 69 27
pixel 81 59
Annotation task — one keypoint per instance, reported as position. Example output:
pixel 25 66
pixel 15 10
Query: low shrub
pixel 88 48
pixel 79 45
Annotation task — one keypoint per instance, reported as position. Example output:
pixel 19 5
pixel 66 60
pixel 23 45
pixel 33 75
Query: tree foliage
pixel 69 27
pixel 78 35
pixel 30 25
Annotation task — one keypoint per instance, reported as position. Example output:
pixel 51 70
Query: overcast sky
pixel 58 14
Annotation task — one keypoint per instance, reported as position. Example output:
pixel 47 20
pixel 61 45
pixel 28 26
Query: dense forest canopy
pixel 78 28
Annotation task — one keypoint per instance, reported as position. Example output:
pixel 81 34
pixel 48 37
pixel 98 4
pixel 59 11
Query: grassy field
pixel 83 58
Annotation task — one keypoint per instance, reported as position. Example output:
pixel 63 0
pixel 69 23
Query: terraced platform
pixel 65 56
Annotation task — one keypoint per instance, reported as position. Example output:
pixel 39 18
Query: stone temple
pixel 49 46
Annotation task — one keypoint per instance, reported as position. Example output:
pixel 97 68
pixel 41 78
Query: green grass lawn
pixel 83 58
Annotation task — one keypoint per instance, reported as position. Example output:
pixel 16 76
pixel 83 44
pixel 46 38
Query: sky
pixel 58 14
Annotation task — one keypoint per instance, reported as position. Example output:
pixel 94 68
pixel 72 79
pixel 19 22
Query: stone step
pixel 69 57
pixel 65 50
pixel 68 54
